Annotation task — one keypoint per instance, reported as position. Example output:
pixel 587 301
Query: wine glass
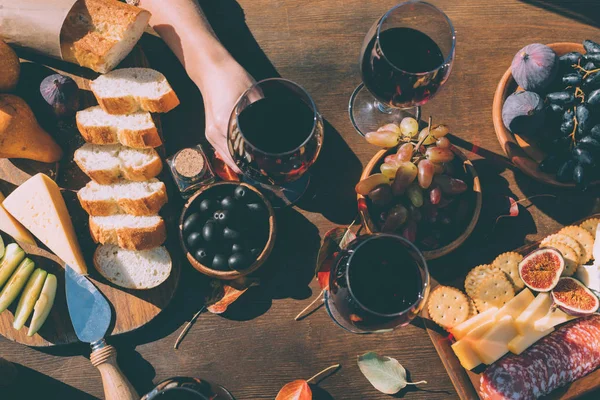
pixel 377 283
pixel 275 135
pixel 405 58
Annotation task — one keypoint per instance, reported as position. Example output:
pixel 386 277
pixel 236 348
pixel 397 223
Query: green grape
pixel 439 131
pixel 443 143
pixel 405 175
pixel 366 185
pixel 426 171
pixel 405 152
pixel 415 195
pixel 383 138
pixel 439 155
pixel 409 127
pixel 390 127
pixel 429 138
pixel 389 169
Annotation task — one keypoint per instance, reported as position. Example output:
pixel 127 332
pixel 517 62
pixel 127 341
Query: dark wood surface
pixel 256 347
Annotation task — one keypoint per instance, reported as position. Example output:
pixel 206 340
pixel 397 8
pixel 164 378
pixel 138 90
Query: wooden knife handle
pixel 116 385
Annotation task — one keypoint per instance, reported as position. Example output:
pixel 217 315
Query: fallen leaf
pixel 225 293
pixel 296 390
pixel 386 374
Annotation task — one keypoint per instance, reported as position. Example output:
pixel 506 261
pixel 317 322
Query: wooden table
pixel 257 347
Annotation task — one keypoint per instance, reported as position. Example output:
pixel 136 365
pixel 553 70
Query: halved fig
pixel 574 298
pixel 540 270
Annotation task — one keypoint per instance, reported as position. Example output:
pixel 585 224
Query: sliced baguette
pixel 109 163
pixel 129 231
pixel 126 90
pixel 135 130
pixel 124 197
pixel 133 269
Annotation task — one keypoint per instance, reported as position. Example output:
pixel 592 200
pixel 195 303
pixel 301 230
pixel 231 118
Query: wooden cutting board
pixel 131 308
pixel 466 382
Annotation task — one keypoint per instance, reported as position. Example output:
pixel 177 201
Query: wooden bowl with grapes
pixel 436 229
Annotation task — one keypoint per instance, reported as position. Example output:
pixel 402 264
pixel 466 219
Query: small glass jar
pixel 184 388
pixel 191 170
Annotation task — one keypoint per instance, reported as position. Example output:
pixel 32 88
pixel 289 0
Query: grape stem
pixel 572 135
pixel 420 142
pixel 579 94
pixel 587 72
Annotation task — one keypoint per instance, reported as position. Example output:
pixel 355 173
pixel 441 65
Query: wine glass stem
pixel 389 110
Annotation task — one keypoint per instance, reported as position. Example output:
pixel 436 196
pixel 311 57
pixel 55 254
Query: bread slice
pixel 126 90
pixel 107 164
pixel 129 231
pixel 133 269
pixel 124 197
pixel 133 130
pixel 99 34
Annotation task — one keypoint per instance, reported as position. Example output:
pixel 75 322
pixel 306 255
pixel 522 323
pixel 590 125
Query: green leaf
pixel 386 374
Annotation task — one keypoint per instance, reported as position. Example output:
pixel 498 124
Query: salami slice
pixel 556 360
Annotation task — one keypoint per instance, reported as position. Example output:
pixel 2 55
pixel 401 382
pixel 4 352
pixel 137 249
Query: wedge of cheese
pixel 461 330
pixel 40 207
pixel 553 318
pixel 465 347
pixel 494 343
pixel 589 275
pixel 520 343
pixel 12 227
pixel 537 309
pixel 516 305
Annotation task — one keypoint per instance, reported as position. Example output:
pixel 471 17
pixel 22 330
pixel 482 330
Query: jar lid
pixel 189 163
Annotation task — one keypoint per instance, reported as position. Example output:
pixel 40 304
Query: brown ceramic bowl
pixel 196 199
pixel 476 202
pixel 524 153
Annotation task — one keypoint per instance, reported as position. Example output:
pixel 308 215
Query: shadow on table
pixel 582 11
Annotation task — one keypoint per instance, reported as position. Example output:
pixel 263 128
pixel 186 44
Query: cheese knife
pixel 90 315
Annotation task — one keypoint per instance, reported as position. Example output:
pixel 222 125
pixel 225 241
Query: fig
pixel 574 298
pixel 540 270
pixel 62 93
pixel 523 112
pixel 534 67
pixel 591 47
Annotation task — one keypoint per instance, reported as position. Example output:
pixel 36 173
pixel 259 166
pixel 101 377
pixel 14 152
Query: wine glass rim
pixel 312 104
pixel 423 289
pixel 391 10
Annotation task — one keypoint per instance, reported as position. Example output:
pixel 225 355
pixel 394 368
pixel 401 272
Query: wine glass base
pixel 367 114
pixel 282 196
pixel 337 318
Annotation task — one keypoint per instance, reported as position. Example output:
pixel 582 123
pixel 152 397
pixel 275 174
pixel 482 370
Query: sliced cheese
pixel 522 342
pixel 553 318
pixel 516 305
pixel 12 227
pixel 465 347
pixel 40 207
pixel 494 343
pixel 589 275
pixel 537 309
pixel 461 330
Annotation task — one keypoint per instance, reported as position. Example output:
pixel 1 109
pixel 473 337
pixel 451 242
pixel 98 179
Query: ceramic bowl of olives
pixel 227 230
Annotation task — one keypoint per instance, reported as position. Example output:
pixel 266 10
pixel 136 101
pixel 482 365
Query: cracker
pixel 570 256
pixel 494 291
pixel 585 239
pixel 509 264
pixel 472 308
pixel 448 306
pixel 475 276
pixel 564 239
pixel 590 225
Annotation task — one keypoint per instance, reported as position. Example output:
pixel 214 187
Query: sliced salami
pixel 556 360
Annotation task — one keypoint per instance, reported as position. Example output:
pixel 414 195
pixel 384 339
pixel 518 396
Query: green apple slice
pixel 29 296
pixel 16 283
pixel 43 305
pixel 12 257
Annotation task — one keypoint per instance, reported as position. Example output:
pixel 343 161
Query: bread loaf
pixel 98 34
pixel 128 231
pixel 124 197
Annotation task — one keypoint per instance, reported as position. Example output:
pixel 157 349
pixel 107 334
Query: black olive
pixel 191 222
pixel 569 58
pixel 240 192
pixel 551 163
pixel 201 255
pixel 565 171
pixel 593 57
pixel 220 216
pixel 228 203
pixel 583 119
pixel 580 176
pixel 590 46
pixel 219 262
pixel 194 240
pixel 237 247
pixel 239 261
pixel 556 108
pixel 563 98
pixel 571 79
pixel 230 234
pixel 593 98
pixel 255 207
pixel 583 156
pixel 592 81
pixel 209 231
pixel 255 252
pixel 206 205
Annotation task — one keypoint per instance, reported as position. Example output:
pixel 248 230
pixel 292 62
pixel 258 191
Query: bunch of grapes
pixel 416 181
pixel 574 123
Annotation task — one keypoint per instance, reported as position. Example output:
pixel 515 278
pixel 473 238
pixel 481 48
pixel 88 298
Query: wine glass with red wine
pixel 379 282
pixel 275 135
pixel 405 59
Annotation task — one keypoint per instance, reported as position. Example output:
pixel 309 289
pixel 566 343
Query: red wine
pixel 389 67
pixel 277 124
